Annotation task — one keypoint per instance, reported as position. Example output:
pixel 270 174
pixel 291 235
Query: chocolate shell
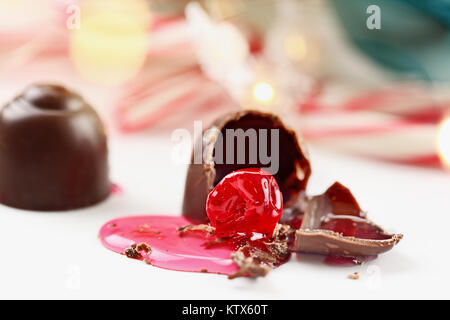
pixel 333 224
pixel 53 151
pixel 292 176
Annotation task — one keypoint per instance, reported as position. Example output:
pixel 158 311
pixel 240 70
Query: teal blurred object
pixel 414 39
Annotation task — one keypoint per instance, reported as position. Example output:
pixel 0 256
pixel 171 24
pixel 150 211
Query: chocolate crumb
pixel 353 276
pixel 248 266
pixel 358 262
pixel 143 247
pixel 206 228
pixel 142 228
pixel 204 270
pixel 279 246
pixel 112 225
pixel 132 253
pixel 141 231
pixel 255 262
pixel 147 261
pixel 157 232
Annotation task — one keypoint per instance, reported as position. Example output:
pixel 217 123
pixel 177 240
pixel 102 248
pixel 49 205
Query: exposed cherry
pixel 245 201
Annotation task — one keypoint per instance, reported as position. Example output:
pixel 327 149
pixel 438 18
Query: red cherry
pixel 245 201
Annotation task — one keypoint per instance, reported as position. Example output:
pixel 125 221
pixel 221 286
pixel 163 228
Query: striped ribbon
pixel 398 124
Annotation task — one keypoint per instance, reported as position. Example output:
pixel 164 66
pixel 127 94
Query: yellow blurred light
pixel 295 47
pixel 443 142
pixel 263 92
pixel 111 44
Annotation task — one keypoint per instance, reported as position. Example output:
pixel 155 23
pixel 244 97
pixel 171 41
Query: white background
pixel 58 255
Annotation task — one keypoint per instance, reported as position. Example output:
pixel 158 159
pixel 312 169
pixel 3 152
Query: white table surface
pixel 58 255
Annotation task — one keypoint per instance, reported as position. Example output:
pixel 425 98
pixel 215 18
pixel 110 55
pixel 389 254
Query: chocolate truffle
pixel 53 151
pixel 293 167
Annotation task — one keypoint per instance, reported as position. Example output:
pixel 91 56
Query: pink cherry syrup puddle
pixel 189 252
pixel 198 252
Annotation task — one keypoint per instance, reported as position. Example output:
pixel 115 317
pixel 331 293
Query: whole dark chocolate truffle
pixel 292 176
pixel 53 151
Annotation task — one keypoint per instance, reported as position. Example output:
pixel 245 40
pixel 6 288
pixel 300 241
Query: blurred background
pixel 369 78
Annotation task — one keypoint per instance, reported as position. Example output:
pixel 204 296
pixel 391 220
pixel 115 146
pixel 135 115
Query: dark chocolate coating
pixel 338 200
pixel 294 168
pixel 53 151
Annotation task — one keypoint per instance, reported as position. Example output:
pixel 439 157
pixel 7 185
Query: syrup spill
pixel 192 252
pixel 169 249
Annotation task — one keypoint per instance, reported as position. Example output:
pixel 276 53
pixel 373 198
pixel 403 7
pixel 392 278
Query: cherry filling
pixel 340 261
pixel 245 201
pixel 350 226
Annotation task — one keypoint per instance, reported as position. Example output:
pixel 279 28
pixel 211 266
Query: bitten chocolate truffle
pixel 293 167
pixel 53 151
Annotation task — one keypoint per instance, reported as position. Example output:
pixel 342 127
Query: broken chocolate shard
pixel 333 224
pixel 53 151
pixel 342 201
pixel 293 168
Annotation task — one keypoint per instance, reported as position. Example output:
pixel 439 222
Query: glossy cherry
pixel 245 201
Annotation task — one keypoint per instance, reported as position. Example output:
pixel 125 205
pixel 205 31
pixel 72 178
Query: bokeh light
pixel 295 47
pixel 263 92
pixel 443 142
pixel 111 44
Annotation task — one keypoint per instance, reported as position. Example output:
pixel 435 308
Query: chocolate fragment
pixel 206 228
pixel 353 276
pixel 248 267
pixel 333 224
pixel 292 176
pixel 143 247
pixel 255 262
pixel 132 252
pixel 53 151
